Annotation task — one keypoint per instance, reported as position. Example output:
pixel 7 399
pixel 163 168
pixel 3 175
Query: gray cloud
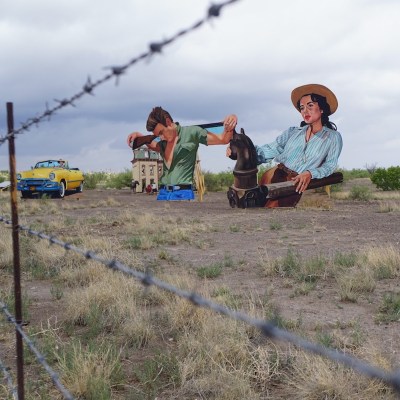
pixel 245 62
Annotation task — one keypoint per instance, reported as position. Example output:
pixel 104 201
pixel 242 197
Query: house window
pixel 143 170
pixel 151 169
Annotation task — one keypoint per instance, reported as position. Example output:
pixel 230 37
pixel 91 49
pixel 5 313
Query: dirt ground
pixel 338 226
pixel 248 236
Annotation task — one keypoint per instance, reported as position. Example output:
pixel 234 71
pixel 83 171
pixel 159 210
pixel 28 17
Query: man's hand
pixel 302 180
pixel 131 137
pixel 225 137
pixel 230 122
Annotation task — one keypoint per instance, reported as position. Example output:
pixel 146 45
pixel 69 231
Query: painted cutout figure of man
pixel 178 147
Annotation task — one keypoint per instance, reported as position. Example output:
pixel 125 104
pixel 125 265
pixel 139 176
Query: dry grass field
pixel 328 271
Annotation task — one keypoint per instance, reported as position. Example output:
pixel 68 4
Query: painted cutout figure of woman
pixel 309 151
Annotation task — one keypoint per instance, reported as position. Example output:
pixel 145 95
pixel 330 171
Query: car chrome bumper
pixel 37 185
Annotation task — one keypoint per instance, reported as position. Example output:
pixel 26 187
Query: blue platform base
pixel 175 195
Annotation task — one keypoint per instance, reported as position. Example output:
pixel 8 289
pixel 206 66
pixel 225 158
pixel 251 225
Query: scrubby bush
pixel 116 180
pixel 92 179
pixel 217 182
pixel 353 173
pixel 4 176
pixel 360 193
pixel 387 179
pixel 120 180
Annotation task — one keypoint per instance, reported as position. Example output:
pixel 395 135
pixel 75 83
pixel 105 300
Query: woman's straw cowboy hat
pixel 304 90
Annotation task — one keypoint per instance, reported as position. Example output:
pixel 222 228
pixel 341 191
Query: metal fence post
pixel 15 238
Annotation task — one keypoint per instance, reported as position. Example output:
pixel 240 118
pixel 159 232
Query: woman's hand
pixel 228 151
pixel 131 137
pixel 302 180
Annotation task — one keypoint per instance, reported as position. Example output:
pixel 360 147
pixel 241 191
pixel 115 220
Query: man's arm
pixel 229 126
pixel 152 146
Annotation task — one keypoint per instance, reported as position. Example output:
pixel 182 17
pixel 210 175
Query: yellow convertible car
pixel 53 177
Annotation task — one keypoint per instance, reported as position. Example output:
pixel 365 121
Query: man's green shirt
pixel 184 157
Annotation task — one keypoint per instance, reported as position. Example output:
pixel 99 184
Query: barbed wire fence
pixel 267 328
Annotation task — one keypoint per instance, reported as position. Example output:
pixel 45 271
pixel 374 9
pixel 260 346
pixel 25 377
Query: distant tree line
pixel 384 178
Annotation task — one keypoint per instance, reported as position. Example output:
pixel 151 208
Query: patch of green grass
pixel 234 228
pixel 211 271
pixel 214 270
pixel 345 260
pixel 312 269
pixel 94 322
pixel 155 373
pixel 389 311
pixel 304 288
pixel 357 335
pixel 290 264
pixel 225 296
pixel 273 315
pixel 228 261
pixel 134 242
pixel 9 301
pixel 91 370
pixel 275 225
pixel 164 255
pixel 383 272
pixel 355 281
pixel 69 221
pixel 37 389
pixel 56 291
pixel 202 243
pixel 39 270
pixel 325 338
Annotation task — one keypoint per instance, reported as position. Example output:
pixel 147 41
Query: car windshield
pixel 49 164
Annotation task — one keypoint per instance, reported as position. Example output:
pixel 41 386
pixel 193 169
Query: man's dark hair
pixel 157 116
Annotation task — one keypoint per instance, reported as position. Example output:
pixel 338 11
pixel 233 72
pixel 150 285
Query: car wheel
pixel 79 189
pixel 26 195
pixel 61 190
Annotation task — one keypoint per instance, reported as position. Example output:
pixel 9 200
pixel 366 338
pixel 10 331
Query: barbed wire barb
pixel 88 86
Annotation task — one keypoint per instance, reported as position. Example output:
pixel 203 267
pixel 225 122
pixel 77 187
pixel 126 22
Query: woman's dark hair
pixel 324 106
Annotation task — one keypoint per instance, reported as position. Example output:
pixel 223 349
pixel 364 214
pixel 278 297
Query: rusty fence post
pixel 15 239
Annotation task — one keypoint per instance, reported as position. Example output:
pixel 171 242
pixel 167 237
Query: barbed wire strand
pixel 116 72
pixel 8 380
pixel 269 329
pixel 40 357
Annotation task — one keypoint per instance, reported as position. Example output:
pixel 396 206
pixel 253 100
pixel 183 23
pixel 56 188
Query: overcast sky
pixel 246 62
